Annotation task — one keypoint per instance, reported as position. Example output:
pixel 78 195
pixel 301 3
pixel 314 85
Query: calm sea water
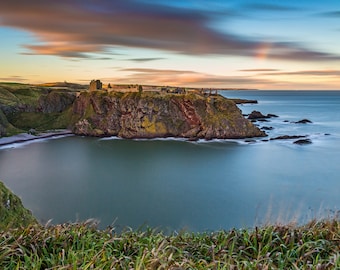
pixel 175 184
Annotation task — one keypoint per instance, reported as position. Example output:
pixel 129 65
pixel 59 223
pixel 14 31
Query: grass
pixel 41 121
pixel 29 95
pixel 24 244
pixel 21 109
pixel 12 212
pixel 81 246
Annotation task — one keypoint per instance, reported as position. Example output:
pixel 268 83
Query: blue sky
pixel 202 43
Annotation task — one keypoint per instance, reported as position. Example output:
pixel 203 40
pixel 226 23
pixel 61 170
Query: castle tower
pixel 95 85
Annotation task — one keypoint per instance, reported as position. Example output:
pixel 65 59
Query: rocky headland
pixel 146 114
pixel 152 114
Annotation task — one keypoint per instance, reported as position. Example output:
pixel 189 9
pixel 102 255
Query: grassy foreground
pixel 81 246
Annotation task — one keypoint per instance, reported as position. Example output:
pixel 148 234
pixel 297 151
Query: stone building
pixel 95 85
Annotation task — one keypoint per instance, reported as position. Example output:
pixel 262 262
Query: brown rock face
pixel 153 114
pixel 55 102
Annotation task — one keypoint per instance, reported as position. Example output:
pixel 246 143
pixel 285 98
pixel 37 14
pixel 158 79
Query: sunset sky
pixel 264 44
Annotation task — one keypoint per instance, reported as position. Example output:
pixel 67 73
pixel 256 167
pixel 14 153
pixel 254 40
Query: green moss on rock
pixel 6 128
pixel 12 213
pixel 153 114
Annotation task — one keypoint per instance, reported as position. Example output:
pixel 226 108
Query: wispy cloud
pixel 331 14
pixel 274 79
pixel 333 73
pixel 187 78
pixel 259 70
pixel 76 28
pixel 145 59
pixel 13 78
pixel 270 7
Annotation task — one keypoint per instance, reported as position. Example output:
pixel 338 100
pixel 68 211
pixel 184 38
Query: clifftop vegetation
pixel 12 212
pixel 24 107
pixel 133 114
pixel 82 246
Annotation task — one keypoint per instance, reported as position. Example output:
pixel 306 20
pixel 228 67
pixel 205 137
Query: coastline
pixel 25 137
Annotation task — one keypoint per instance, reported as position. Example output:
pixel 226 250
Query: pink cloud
pixel 76 28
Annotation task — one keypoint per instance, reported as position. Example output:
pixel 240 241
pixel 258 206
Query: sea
pixel 175 184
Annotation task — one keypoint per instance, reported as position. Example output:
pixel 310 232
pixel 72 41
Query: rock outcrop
pixel 153 114
pixel 303 141
pixel 258 115
pixel 288 137
pixel 303 121
pixel 55 102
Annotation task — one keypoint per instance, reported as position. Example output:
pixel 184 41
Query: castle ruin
pixel 95 85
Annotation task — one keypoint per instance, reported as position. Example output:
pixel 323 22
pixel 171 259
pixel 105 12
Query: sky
pixel 257 44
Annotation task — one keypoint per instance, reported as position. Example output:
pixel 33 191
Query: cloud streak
pixel 13 78
pixel 270 7
pixel 260 70
pixel 332 73
pixel 145 59
pixel 187 78
pixel 331 14
pixel 77 29
pixel 275 79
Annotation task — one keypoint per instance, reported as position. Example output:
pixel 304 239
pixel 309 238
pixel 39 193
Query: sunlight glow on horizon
pixel 242 44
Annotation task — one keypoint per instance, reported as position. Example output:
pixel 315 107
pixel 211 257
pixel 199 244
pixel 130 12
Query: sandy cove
pixel 25 137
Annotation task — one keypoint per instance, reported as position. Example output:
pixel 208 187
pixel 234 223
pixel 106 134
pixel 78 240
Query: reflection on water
pixel 177 184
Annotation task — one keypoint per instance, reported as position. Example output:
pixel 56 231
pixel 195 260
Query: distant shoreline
pixel 25 137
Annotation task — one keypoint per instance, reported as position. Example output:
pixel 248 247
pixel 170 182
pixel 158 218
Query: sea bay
pixel 176 184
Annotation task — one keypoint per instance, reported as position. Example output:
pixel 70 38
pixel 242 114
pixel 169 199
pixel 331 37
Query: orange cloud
pixel 188 78
pixel 185 78
pixel 94 26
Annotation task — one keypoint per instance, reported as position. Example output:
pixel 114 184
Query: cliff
pixel 154 114
pixel 127 115
pixel 12 213
pixel 23 107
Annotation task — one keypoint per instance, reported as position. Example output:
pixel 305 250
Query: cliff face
pixel 128 115
pixel 151 114
pixel 34 100
pixel 5 126
pixel 23 107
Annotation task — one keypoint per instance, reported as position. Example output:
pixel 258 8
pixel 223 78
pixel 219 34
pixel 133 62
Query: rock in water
pixel 153 114
pixel 288 137
pixel 258 115
pixel 303 141
pixel 303 121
